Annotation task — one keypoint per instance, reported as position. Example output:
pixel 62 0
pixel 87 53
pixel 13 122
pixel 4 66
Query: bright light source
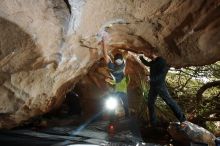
pixel 111 103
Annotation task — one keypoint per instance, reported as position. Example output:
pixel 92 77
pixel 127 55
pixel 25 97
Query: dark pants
pixel 162 91
pixel 124 98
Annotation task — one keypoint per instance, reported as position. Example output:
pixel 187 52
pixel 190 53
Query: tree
pixel 197 89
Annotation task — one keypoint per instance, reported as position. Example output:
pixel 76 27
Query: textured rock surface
pixel 45 49
pixel 37 63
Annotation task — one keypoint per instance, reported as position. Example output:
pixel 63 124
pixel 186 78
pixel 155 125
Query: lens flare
pixel 111 103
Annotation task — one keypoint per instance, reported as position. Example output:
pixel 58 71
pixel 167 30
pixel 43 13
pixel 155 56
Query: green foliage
pixel 211 126
pixel 184 84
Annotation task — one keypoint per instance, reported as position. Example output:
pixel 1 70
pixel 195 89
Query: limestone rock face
pixel 46 46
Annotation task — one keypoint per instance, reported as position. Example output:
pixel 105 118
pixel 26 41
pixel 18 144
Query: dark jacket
pixel 158 70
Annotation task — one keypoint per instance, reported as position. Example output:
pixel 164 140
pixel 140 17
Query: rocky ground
pixel 97 133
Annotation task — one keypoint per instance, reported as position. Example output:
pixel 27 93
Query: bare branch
pixel 204 88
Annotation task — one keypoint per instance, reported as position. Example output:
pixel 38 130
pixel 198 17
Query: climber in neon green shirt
pixel 120 81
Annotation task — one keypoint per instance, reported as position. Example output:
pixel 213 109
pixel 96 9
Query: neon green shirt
pixel 122 86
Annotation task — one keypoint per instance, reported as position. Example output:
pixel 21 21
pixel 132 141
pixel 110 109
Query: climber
pixel 119 79
pixel 158 72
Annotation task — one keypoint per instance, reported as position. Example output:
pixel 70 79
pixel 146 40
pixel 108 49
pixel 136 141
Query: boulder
pixel 187 132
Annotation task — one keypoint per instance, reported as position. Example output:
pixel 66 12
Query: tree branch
pixel 204 88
